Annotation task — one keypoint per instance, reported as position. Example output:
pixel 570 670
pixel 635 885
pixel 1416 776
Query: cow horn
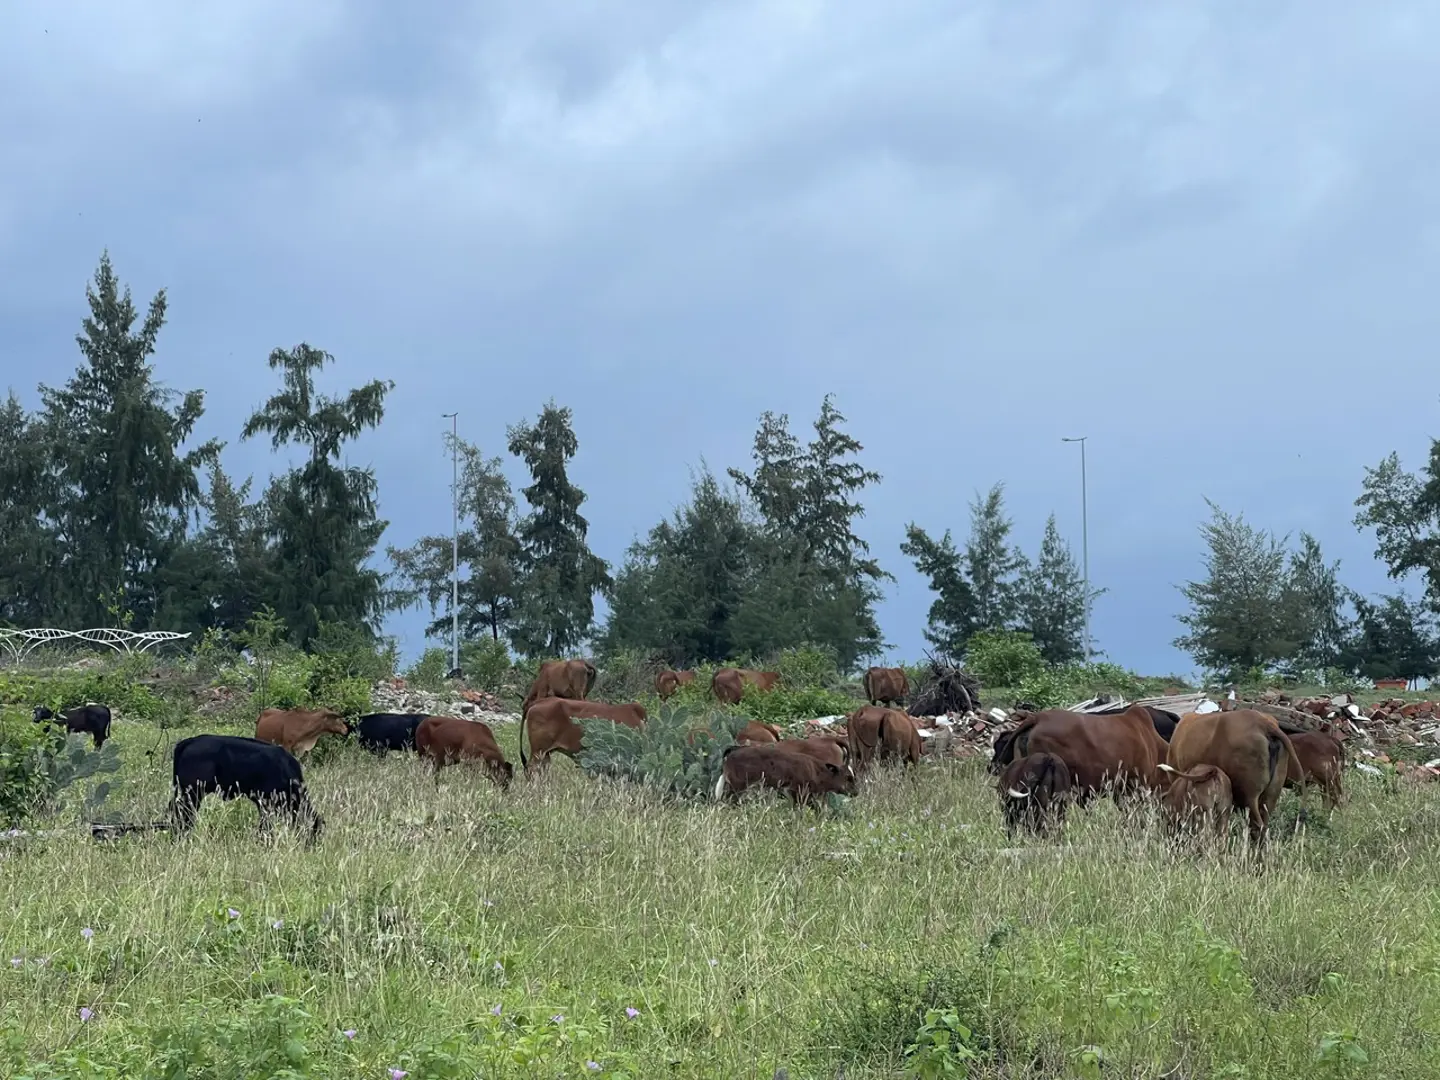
pixel 1167 768
pixel 1019 794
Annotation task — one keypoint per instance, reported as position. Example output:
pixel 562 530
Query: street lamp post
pixel 454 540
pixel 1084 537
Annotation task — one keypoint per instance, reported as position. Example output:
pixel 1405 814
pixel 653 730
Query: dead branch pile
pixel 946 690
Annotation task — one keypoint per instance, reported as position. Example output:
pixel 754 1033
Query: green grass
pixel 748 937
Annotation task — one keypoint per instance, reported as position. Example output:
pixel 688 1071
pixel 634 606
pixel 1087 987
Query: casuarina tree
pixel 122 486
pixel 322 514
pixel 558 575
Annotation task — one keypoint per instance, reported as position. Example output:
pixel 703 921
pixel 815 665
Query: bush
pixel 428 672
pixel 785 705
pixel 486 664
pixel 1048 688
pixel 626 675
pixel 1003 658
pixel 808 667
pixel 38 762
pixel 677 751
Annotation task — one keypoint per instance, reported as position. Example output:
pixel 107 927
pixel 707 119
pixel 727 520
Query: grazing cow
pixel 549 725
pixel 1202 794
pixel 756 732
pixel 1322 760
pixel 826 749
pixel 1033 792
pixel 233 766
pixel 1249 747
pixel 875 731
pixel 1119 749
pixel 383 732
pixel 799 775
pixel 298 730
pixel 886 684
pixel 88 719
pixel 728 684
pixel 572 679
pixel 668 682
pixel 445 740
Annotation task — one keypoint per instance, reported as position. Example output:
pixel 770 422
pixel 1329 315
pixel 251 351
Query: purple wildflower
pixel 86 1013
pixel 232 913
pixel 631 1011
pixel 495 1011
pixel 277 924
pixel 87 933
pixel 398 1074
pixel 713 962
pixel 558 1018
pixel 349 1033
pixel 15 961
pixel 593 1066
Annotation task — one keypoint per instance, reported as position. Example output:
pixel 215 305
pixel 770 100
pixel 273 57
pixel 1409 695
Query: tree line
pixel 112 512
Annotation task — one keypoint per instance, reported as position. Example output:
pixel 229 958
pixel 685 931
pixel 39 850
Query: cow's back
pixel 1097 749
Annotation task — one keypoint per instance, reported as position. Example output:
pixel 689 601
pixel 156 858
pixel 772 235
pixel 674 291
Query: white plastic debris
pixel 1367 768
pixel 1208 706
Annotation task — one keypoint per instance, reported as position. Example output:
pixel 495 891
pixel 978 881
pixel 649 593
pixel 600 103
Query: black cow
pixel 88 719
pixel 234 766
pixel 382 732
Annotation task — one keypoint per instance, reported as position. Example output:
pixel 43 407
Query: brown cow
pixel 668 681
pixel 823 748
pixel 1322 760
pixel 728 684
pixel 562 679
pixel 756 732
pixel 863 730
pixel 448 739
pixel 1204 793
pixel 799 775
pixel 550 725
pixel 1122 750
pixel 1252 750
pixel 297 730
pixel 1033 792
pixel 886 684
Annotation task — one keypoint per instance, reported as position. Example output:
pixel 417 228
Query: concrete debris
pixel 1391 722
pixel 394 696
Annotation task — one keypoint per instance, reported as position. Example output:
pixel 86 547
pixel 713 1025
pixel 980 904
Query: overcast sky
pixel 1206 239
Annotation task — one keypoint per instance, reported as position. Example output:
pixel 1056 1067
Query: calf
pixel 297 730
pixel 382 732
pixel 1322 760
pixel 1193 797
pixel 88 719
pixel 233 766
pixel 799 775
pixel 1033 792
pixel 445 740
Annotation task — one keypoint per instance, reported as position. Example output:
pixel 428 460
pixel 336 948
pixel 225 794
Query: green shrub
pixel 39 762
pixel 1048 688
pixel 678 750
pixel 785 705
pixel 486 663
pixel 428 672
pixel 626 675
pixel 808 667
pixel 1003 658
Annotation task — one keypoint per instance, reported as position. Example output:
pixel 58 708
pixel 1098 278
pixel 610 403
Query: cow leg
pixel 1258 822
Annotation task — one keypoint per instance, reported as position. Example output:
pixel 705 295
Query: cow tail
pixel 524 729
pixel 880 734
pixel 869 693
pixel 1278 744
pixel 1046 779
pixel 590 675
pixel 1294 761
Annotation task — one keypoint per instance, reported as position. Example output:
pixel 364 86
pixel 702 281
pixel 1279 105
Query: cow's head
pixel 41 713
pixel 843 780
pixel 333 722
pixel 503 773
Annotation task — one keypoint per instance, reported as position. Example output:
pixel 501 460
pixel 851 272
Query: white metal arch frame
pixel 20 643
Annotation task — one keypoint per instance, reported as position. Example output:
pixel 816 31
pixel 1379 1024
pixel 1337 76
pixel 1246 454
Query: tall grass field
pixel 576 927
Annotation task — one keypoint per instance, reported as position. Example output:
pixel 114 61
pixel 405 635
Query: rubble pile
pixel 395 696
pixel 1391 722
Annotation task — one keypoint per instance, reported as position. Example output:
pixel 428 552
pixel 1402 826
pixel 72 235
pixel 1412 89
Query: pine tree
pixel 28 553
pixel 679 589
pixel 992 566
pixel 322 515
pixel 123 490
pixel 558 574
pixel 1395 638
pixel 488 552
pixel 952 618
pixel 1315 599
pixel 1051 600
pixel 1241 616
